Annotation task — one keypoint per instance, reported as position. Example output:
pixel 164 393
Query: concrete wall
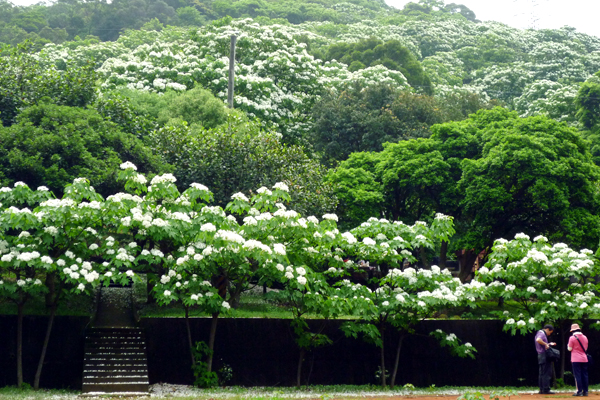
pixel 262 352
pixel 64 358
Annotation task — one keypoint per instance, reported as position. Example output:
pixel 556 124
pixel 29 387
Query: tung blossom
pixel 240 196
pixel 331 217
pixel 128 165
pixel 368 241
pixel 279 248
pixel 281 186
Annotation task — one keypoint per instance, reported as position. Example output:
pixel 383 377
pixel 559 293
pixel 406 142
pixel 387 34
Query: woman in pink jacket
pixel 578 345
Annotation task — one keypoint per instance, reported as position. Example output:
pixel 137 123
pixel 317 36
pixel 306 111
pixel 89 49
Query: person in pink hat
pixel 578 345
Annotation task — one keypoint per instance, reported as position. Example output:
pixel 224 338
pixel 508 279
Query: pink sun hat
pixel 574 327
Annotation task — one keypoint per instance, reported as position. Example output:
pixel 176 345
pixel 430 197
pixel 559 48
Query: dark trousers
pixel 544 373
pixel 580 370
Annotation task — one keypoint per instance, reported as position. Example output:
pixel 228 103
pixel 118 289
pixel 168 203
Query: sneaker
pixel 549 392
pixel 578 394
pixel 585 394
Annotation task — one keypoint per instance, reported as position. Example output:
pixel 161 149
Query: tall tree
pixel 52 145
pixel 496 173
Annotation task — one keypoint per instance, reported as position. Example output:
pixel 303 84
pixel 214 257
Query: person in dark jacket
pixel 545 366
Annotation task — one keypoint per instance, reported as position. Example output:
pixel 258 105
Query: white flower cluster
pixel 128 165
pixel 230 236
pixel 240 196
pixel 252 244
pixel 199 186
pixel 331 217
pixel 56 203
pixel 165 178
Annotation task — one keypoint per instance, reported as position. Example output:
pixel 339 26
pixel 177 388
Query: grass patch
pixel 286 393
pixel 252 305
pixel 14 393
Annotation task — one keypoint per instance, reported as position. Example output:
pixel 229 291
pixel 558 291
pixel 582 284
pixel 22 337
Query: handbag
pixel 589 357
pixel 552 354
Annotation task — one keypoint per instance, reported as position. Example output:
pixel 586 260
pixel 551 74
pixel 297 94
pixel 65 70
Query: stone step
pixel 115 351
pixel 104 388
pixel 120 395
pixel 108 366
pixel 122 341
pixel 116 336
pixel 114 358
pixel 116 379
pixel 118 371
pixel 117 331
pixel 115 362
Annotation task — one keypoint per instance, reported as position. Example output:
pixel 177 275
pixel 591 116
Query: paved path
pixel 115 308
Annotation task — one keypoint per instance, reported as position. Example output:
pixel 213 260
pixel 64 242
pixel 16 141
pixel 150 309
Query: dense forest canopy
pixel 360 107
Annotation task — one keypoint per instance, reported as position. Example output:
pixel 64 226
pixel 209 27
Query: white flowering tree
pixel 48 251
pixel 309 254
pixel 543 283
pixel 302 248
pixel 277 80
pixel 402 299
pixel 159 230
pixel 199 249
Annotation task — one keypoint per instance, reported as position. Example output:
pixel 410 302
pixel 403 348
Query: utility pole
pixel 231 71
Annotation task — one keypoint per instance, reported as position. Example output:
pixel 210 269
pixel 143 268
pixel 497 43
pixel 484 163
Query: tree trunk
pixel 396 362
pixel 467 260
pixel 51 285
pixel 443 254
pixel 38 372
pixel 563 349
pixel 424 260
pixel 149 287
pixel 299 370
pixel 211 341
pixel 235 292
pixel 20 307
pixel 189 334
pixel 52 299
pixel 381 330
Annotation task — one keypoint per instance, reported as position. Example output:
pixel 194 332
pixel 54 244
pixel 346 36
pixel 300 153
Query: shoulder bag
pixel 589 357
